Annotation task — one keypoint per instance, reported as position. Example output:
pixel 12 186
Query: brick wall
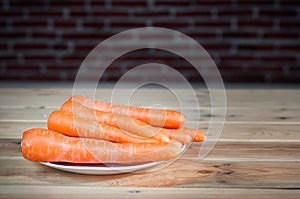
pixel 250 41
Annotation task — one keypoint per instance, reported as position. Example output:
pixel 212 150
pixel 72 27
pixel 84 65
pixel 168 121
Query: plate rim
pixel 101 168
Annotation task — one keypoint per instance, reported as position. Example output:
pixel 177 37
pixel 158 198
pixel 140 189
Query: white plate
pixel 104 169
pixel 98 169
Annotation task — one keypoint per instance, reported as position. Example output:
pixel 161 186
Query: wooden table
pixel 257 155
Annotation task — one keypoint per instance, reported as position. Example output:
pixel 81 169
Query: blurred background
pixel 250 41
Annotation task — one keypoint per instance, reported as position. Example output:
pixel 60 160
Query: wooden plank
pixel 76 191
pixel 182 173
pixel 257 154
pixel 274 114
pixel 231 132
pixel 241 98
pixel 11 130
pixel 222 151
pixel 259 132
pixel 248 151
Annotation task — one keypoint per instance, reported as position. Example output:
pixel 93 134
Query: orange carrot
pixel 126 123
pixel 177 134
pixel 161 118
pixel 197 135
pixel 123 122
pixel 41 145
pixel 65 123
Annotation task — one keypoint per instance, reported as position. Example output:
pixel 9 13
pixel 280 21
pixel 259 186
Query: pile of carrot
pixel 89 131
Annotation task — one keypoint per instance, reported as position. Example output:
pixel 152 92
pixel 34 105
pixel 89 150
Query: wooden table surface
pixel 257 154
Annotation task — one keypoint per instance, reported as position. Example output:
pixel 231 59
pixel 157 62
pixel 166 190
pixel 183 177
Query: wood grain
pixel 237 98
pixel 275 114
pixel 244 132
pixel 182 173
pixel 257 155
pixel 222 151
pixel 73 192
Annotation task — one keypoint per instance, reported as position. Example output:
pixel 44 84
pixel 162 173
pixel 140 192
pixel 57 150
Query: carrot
pixel 177 134
pixel 65 123
pixel 197 135
pixel 41 145
pixel 126 123
pixel 161 118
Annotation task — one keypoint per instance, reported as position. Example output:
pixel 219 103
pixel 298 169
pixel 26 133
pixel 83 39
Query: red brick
pixel 77 57
pixel 178 3
pixel 12 35
pixel 294 68
pixel 93 24
pixel 17 3
pixel 255 47
pixel 31 46
pixel 128 3
pixel 289 24
pixel 265 68
pixel 127 24
pixel 283 35
pixel 213 3
pixel 82 35
pixel 200 35
pixel 235 12
pixel 63 66
pixel 84 47
pixel 60 46
pixel 45 13
pixel 39 57
pixel 11 13
pixel 278 13
pixel 239 34
pixel 43 34
pixel 2 24
pixel 293 78
pixel 97 3
pixel 237 57
pixel 44 77
pixel 28 24
pixel 278 58
pixel 289 47
pixel 255 23
pixel 3 46
pixel 193 13
pixel 170 24
pixel 290 3
pixel 110 13
pixel 10 77
pixel 23 67
pixel 215 24
pixel 245 77
pixel 79 13
pixel 152 13
pixel 65 24
pixel 254 3
pixel 72 3
pixel 8 57
pixel 216 47
pixel 224 67
pixel 269 51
